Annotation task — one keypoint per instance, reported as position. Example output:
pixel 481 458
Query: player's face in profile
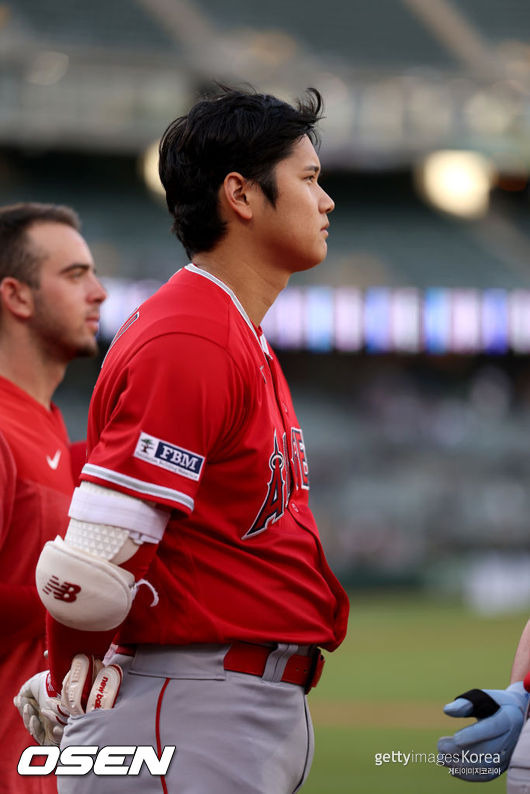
pixel 296 227
pixel 67 301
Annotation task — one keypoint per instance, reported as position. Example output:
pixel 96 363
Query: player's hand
pixel 482 751
pixel 89 685
pixel 40 708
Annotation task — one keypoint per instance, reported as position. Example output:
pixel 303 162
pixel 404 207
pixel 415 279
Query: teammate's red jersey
pixel 36 487
pixel 191 410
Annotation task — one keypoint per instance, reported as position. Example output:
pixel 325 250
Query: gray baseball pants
pixel 518 777
pixel 234 733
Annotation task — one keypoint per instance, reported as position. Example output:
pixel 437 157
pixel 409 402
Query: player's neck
pixel 255 286
pixel 27 368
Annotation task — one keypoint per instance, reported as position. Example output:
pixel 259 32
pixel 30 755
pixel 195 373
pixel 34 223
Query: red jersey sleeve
pixel 154 425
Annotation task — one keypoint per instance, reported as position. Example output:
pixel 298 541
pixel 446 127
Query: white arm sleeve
pixel 110 524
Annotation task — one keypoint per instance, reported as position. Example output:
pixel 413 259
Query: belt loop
pixel 277 660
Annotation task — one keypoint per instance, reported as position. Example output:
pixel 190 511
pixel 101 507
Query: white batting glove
pixel 90 685
pixel 87 686
pixel 40 708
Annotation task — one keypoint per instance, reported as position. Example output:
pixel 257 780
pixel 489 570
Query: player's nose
pixel 327 204
pixel 97 292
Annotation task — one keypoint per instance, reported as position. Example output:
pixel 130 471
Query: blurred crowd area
pixel 420 464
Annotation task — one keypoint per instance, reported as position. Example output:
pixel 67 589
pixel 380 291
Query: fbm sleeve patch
pixel 168 456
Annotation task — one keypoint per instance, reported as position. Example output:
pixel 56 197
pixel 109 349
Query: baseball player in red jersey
pixel 49 304
pixel 191 544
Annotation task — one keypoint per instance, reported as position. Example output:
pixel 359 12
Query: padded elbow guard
pixel 82 591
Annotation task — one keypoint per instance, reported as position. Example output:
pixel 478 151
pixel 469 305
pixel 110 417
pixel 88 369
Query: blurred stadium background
pixel 407 350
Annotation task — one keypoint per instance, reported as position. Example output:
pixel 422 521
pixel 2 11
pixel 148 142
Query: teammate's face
pixel 66 303
pixel 296 227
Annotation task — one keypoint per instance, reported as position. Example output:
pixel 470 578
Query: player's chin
pixel 320 256
pixel 313 257
pixel 87 347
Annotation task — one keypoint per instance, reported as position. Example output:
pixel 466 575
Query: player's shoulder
pixel 193 303
pixel 183 305
pixel 17 410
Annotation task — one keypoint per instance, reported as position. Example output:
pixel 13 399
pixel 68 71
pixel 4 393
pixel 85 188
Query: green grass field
pixel 384 690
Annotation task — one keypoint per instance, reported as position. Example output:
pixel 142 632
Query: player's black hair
pixel 235 130
pixel 18 258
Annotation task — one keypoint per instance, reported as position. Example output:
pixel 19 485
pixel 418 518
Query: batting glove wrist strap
pixel 482 751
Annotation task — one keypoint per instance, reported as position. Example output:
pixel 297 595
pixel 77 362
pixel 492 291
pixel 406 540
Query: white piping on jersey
pixel 200 272
pixel 149 489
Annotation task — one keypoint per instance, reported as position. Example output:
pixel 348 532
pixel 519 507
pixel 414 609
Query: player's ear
pixel 235 193
pixel 17 297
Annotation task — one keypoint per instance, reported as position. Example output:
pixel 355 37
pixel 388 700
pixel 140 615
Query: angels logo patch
pixel 273 507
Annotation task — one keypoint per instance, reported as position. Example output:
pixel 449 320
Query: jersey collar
pixel 260 337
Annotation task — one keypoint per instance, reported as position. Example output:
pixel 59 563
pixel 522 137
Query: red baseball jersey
pixel 36 487
pixel 192 411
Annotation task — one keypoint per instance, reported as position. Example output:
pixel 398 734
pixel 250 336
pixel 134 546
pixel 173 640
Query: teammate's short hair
pixel 18 258
pixel 236 130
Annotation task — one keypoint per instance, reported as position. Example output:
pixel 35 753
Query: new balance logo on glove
pixel 62 591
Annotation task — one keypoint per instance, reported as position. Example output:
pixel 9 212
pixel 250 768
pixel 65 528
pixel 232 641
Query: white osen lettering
pixel 50 753
pixel 80 760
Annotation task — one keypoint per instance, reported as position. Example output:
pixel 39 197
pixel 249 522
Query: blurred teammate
pixel 49 309
pixel 197 479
